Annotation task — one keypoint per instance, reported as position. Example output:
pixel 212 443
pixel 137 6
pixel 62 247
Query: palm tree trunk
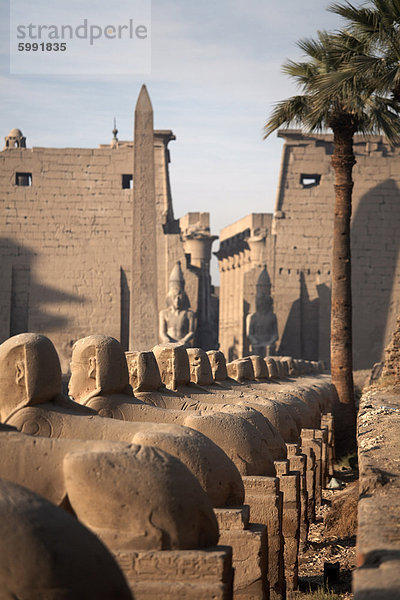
pixel 341 309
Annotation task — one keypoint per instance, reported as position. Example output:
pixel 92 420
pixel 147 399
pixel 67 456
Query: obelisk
pixel 144 309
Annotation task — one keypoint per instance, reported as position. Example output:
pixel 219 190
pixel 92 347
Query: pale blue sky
pixel 215 77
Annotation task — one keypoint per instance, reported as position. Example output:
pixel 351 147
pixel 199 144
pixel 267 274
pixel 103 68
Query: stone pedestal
pixel 289 484
pixel 310 480
pixel 249 552
pixel 327 421
pixel 265 500
pixel 298 462
pixel 183 574
pixel 322 435
pixel 309 441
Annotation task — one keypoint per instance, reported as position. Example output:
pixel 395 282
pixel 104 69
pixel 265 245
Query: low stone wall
pixel 392 358
pixel 378 540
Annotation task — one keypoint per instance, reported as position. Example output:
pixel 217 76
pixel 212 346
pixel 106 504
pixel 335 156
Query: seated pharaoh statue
pixel 177 323
pixel 261 325
pixel 31 400
pixel 46 553
pixel 100 380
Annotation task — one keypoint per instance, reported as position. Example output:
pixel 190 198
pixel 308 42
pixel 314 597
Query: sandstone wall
pixel 66 241
pixel 298 251
pixel 244 251
pixel 303 223
pixel 378 539
pixel 391 365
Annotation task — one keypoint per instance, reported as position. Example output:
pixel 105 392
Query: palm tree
pixel 377 26
pixel 352 107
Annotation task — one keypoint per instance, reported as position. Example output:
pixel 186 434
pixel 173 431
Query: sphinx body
pixel 131 496
pixel 30 400
pixel 175 374
pixel 100 380
pixel 177 366
pixel 315 392
pixel 251 375
pixel 46 553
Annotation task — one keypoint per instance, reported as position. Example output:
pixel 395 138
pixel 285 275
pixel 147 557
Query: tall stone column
pixel 144 306
pixel 223 304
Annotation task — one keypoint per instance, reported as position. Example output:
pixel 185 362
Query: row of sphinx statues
pixel 142 450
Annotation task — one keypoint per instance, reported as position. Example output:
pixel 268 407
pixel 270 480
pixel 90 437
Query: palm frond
pixel 302 72
pixel 312 48
pixel 382 117
pixel 342 79
pixel 360 18
pixel 292 111
pixel 378 24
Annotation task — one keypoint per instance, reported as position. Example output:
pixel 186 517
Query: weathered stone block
pixel 183 574
pixel 298 462
pixel 309 441
pixel 265 500
pixel 249 560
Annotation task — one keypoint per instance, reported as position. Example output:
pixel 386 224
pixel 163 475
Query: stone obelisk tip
pixel 143 103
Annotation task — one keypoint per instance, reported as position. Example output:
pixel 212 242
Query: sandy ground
pixel 324 547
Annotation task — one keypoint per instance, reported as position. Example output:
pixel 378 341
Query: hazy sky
pixel 214 78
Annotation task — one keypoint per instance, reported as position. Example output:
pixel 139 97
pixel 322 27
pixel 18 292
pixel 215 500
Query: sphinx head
pixel 241 369
pixel 279 367
pixel 218 364
pixel 272 367
pixel 173 363
pixel 289 365
pixel 144 375
pixel 98 367
pixel 30 373
pixel 200 368
pixel 259 367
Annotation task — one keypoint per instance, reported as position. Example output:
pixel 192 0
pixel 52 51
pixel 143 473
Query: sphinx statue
pixel 31 400
pixel 201 374
pixel 272 368
pixel 100 380
pixel 188 372
pixel 315 379
pixel 314 392
pixel 137 486
pixel 229 390
pixel 177 322
pixel 46 553
pixel 242 370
